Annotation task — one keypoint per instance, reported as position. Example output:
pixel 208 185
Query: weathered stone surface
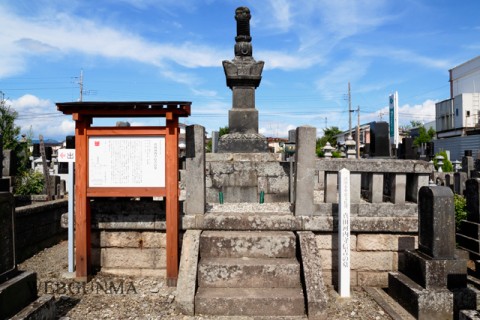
pixel 250 301
pixel 250 221
pixel 375 165
pixel 42 308
pixel 387 209
pixel 187 275
pixel 386 242
pixel 147 258
pixel 330 241
pixel 372 279
pixel 436 217
pixel 375 192
pixel 129 239
pixel 195 166
pixel 272 169
pixel 372 261
pixel 7 242
pixel 330 277
pixel 312 274
pixel 435 273
pixel 421 303
pixel 278 184
pixel 242 142
pixel 248 273
pixel 304 170
pixel 17 293
pixel 362 224
pixel 254 244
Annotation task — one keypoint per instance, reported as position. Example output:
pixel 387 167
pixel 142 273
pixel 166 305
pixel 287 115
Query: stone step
pixel 250 221
pixel 251 244
pixel 250 302
pixel 248 272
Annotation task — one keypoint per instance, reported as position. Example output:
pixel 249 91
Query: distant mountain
pixel 46 141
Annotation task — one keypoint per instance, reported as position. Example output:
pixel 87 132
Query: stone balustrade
pixel 377 180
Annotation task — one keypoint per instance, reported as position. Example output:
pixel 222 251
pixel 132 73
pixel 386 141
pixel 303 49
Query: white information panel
pixel 126 161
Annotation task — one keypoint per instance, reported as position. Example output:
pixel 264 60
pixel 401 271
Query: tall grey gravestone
pixel 432 282
pixel 243 75
pixel 7 243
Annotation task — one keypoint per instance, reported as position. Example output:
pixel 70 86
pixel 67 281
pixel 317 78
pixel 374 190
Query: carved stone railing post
pixel 195 166
pixel 375 192
pixel 305 170
pixel 398 188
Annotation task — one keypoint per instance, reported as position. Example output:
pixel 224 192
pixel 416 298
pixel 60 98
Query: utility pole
pixel 358 132
pixel 80 83
pixel 349 111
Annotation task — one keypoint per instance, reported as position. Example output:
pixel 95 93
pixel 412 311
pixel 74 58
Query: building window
pixel 456 112
pixel 468 113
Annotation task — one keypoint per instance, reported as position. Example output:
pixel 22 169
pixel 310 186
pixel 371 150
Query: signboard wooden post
pixel 104 169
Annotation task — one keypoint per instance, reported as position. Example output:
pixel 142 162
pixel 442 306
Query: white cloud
pixel 67 34
pixel 424 112
pixel 42 117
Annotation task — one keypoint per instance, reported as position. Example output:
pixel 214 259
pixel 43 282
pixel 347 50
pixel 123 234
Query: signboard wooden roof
pixel 126 108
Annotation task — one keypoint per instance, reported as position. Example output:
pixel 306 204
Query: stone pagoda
pixel 243 75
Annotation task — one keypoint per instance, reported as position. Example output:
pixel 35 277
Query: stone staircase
pixel 249 273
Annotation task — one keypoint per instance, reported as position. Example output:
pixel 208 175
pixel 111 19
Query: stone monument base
pixel 242 143
pixel 18 297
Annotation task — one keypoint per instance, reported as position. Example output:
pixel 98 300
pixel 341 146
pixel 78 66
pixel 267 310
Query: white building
pixel 458 118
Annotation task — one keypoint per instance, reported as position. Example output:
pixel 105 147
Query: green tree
pixel 8 129
pixel 10 136
pixel 328 136
pixel 423 136
pixel 223 130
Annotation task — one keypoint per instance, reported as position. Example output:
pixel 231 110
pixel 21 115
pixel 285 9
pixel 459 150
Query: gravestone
pixel 432 283
pixel 7 242
pixel 468 235
pixel 18 289
pixel 468 163
pixel 379 139
pixel 243 76
pixel 1 156
pixel 472 188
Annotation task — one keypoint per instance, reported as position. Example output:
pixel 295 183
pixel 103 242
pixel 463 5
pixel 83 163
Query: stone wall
pixel 38 226
pixel 373 255
pixel 129 236
pixel 241 177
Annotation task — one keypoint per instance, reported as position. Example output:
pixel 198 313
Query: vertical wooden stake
pixel 82 204
pixel 171 177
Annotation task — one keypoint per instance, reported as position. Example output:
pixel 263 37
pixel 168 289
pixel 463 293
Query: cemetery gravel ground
pixel 147 298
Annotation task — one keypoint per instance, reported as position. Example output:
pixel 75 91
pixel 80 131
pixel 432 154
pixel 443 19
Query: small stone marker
pixel 344 233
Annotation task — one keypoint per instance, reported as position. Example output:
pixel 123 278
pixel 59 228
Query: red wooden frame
pixel 83 114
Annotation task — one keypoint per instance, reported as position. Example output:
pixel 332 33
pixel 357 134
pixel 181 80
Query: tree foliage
pixel 447 164
pixel 223 130
pixel 424 136
pixel 10 137
pixel 460 208
pixel 8 129
pixel 328 136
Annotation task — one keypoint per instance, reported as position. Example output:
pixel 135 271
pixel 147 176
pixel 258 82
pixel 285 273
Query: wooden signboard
pixel 125 162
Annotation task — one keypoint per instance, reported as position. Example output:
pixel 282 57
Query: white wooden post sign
pixel 344 233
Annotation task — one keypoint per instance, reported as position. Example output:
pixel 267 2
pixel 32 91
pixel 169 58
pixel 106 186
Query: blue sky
pixel 133 50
